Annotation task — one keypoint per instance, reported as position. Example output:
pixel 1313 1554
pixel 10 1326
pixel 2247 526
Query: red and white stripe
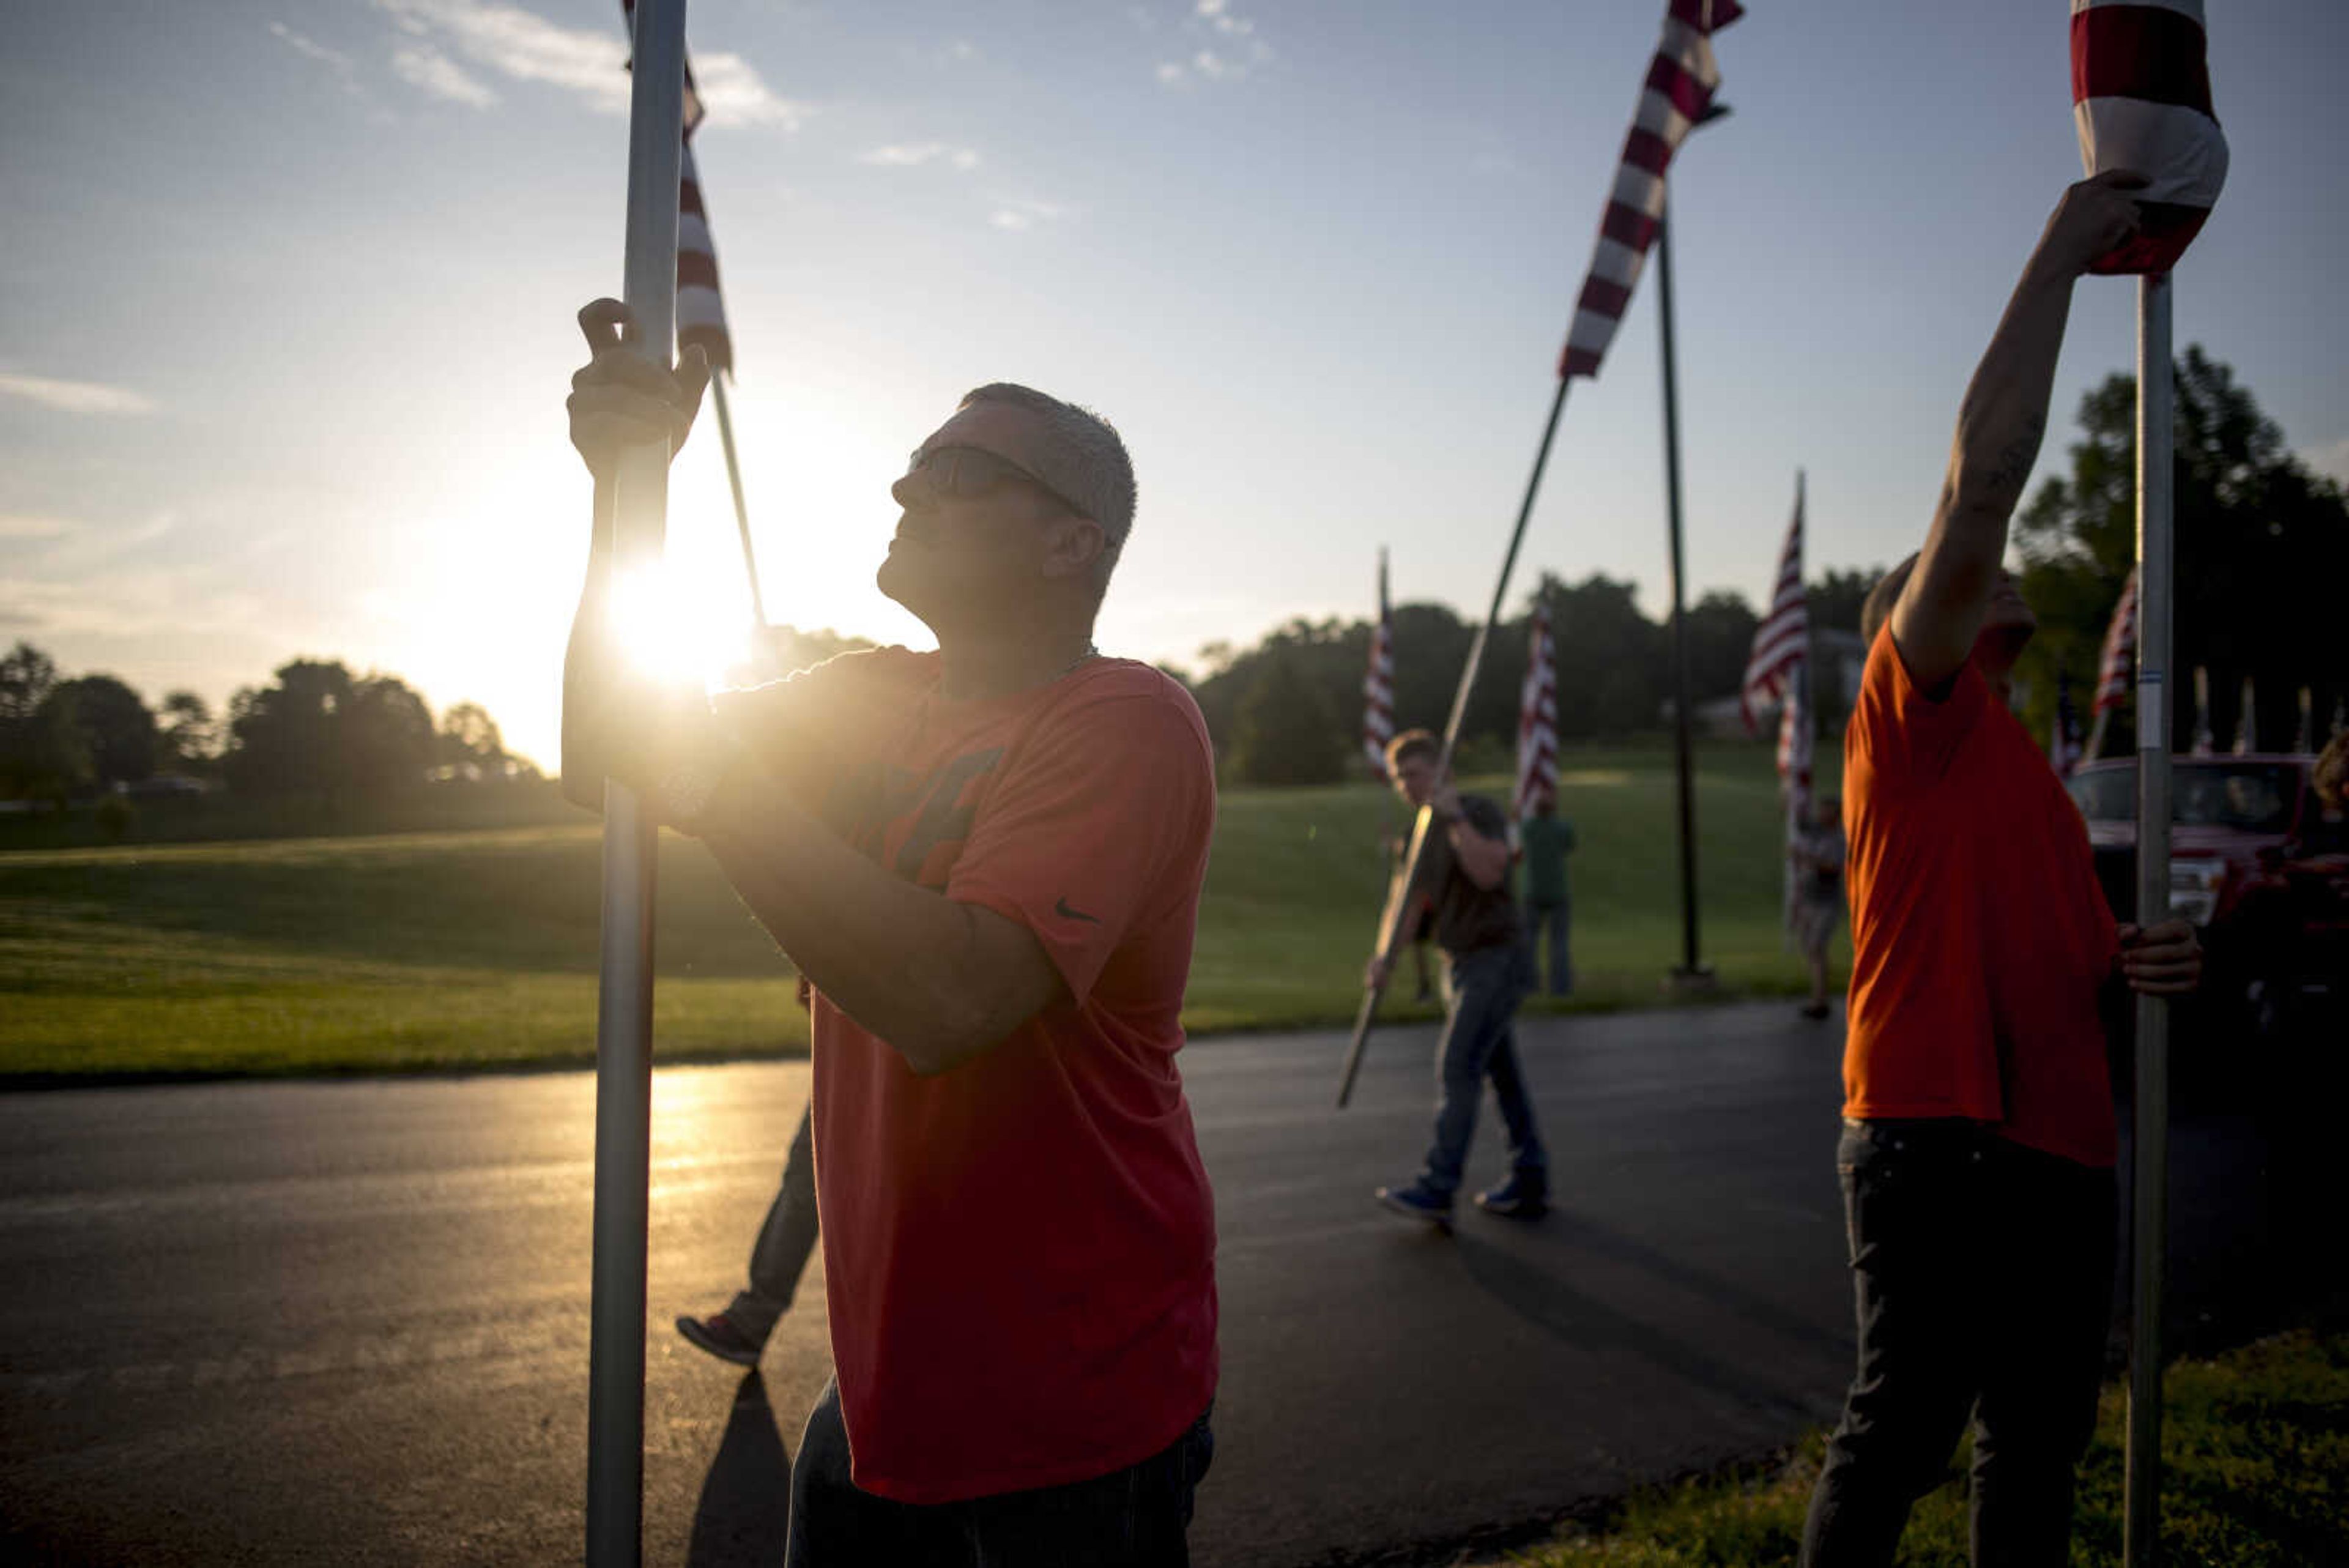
pixel 1538 720
pixel 1681 80
pixel 700 311
pixel 1782 640
pixel 2116 666
pixel 1794 746
pixel 1378 684
pixel 2141 102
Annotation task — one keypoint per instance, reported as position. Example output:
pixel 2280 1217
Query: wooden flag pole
pixel 624 1007
pixel 2150 1163
pixel 1399 892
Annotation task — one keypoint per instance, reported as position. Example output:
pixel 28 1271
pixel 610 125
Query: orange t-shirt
pixel 1979 936
pixel 1019 1253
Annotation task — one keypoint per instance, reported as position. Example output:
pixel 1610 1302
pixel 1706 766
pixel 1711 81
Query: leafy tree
pixel 189 738
pixel 320 730
pixel 118 731
pixel 1836 597
pixel 42 754
pixel 468 734
pixel 1720 639
pixel 1283 730
pixel 2263 548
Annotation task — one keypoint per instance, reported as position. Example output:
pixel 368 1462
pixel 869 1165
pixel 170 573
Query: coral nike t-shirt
pixel 1018 1252
pixel 1979 936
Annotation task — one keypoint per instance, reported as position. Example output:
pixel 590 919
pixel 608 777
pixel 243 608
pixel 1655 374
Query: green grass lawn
pixel 2255 1454
pixel 435 949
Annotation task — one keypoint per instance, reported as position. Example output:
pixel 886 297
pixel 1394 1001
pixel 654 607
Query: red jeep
pixel 2276 924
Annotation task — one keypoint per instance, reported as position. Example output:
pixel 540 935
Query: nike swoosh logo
pixel 1062 908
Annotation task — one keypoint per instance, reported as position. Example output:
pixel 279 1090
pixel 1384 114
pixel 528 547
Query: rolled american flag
pixel 2141 102
pixel 1538 720
pixel 1378 684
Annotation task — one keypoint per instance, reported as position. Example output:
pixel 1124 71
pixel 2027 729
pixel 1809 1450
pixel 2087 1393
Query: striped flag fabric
pixel 1538 720
pixel 2141 102
pixel 1782 641
pixel 2116 665
pixel 1378 684
pixel 1794 742
pixel 2064 740
pixel 700 311
pixel 1682 80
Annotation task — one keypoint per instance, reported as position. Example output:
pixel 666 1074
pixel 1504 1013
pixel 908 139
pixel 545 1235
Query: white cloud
pixel 1230 49
pixel 19 526
pixel 335 60
pixel 1020 214
pixel 422 66
pixel 912 155
pixel 586 62
pixel 2333 461
pixel 76 396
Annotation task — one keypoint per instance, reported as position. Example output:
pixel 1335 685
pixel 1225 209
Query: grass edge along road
pixel 466 950
pixel 2255 1457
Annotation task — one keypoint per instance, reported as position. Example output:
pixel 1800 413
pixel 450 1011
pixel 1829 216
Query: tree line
pixel 2262 563
pixel 315 728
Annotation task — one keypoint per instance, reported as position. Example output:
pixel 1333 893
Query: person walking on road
pixel 1487 971
pixel 987 860
pixel 1545 839
pixel 1979 1140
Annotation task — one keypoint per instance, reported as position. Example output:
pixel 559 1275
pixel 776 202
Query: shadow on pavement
pixel 1551 1305
pixel 746 1498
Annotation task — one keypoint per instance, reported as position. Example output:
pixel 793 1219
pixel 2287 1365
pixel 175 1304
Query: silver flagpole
pixel 2149 1171
pixel 624 1011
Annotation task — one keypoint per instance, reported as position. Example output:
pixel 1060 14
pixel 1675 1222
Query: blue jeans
pixel 1132 1518
pixel 1550 923
pixel 1482 988
pixel 1982 1273
pixel 780 1255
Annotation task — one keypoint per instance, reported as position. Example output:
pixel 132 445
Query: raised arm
pixel 2000 426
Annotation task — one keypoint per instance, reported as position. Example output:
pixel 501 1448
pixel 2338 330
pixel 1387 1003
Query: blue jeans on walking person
pixel 779 1257
pixel 1482 988
pixel 1137 1517
pixel 1550 924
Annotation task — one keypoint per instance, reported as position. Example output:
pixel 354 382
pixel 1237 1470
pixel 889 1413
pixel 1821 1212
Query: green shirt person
pixel 1543 841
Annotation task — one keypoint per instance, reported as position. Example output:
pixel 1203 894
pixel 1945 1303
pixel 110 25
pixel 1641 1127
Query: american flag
pixel 1537 718
pixel 1795 741
pixel 1782 640
pixel 2064 740
pixel 701 312
pixel 1681 82
pixel 2119 657
pixel 1378 684
pixel 2141 102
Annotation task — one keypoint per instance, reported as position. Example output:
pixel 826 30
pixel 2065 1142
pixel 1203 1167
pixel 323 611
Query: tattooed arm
pixel 2000 425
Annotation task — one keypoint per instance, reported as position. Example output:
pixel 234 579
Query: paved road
pixel 348 1322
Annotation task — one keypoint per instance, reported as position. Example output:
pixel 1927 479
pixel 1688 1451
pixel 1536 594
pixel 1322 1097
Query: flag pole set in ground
pixel 638 522
pixel 1675 95
pixel 2141 102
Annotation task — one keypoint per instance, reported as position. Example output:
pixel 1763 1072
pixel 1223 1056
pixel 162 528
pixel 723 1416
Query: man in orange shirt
pixel 1979 1140
pixel 987 860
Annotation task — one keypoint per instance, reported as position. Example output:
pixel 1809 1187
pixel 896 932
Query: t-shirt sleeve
pixel 1903 733
pixel 1089 828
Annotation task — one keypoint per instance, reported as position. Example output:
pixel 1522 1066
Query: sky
pixel 287 289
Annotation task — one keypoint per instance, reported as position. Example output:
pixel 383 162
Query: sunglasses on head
pixel 965 473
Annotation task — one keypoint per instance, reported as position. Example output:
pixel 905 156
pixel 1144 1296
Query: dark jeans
pixel 1482 988
pixel 779 1257
pixel 1133 1517
pixel 1983 1275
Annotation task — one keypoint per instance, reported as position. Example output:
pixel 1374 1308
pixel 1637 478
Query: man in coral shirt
pixel 1979 1142
pixel 987 860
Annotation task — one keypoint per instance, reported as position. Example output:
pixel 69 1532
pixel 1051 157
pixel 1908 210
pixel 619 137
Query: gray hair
pixel 1083 458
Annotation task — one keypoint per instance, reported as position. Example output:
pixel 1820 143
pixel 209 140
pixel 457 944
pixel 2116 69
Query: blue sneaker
pixel 1524 1196
pixel 1419 1201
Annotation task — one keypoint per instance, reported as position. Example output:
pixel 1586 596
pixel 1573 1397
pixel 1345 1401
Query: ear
pixel 1072 546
